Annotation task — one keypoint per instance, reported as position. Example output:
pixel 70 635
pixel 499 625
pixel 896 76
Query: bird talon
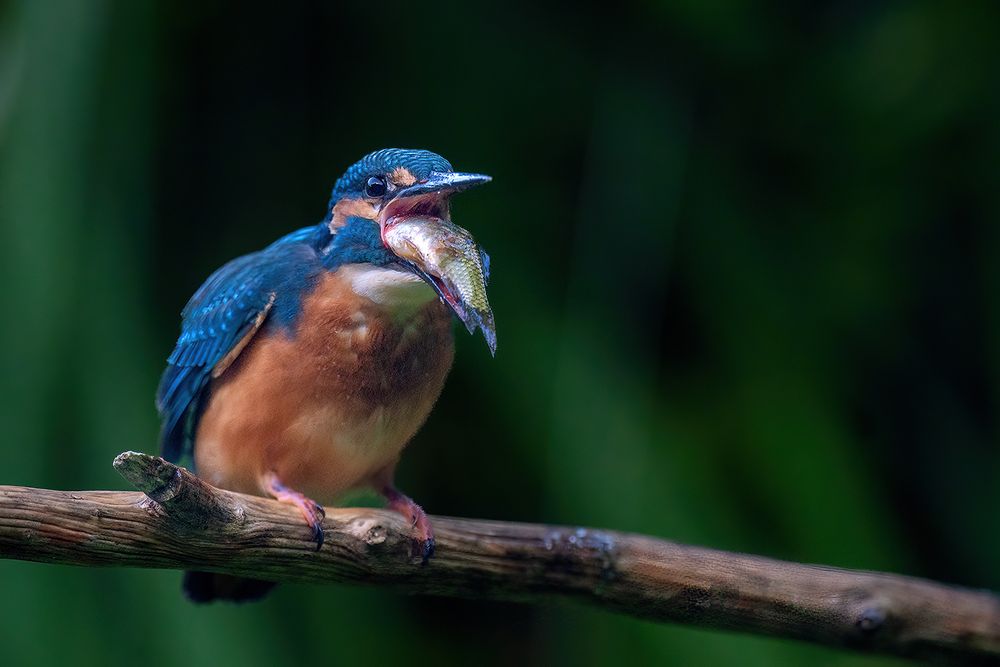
pixel 319 536
pixel 311 511
pixel 428 550
pixel 314 517
pixel 422 548
pixel 423 541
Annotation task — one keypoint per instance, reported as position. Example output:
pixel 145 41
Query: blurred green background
pixel 746 261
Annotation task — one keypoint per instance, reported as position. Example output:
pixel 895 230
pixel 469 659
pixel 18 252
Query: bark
pixel 178 521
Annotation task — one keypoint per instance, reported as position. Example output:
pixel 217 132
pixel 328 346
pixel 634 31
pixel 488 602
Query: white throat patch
pixel 402 293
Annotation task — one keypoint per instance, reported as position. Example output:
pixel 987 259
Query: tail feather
pixel 205 587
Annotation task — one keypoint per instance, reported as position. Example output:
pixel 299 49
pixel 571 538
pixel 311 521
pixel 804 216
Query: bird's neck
pixel 359 241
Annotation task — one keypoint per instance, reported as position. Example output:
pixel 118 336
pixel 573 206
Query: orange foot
pixel 311 510
pixel 423 541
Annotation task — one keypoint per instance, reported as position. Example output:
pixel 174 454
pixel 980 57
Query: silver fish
pixel 452 262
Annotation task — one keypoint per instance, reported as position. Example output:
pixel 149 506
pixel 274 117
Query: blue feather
pixel 359 241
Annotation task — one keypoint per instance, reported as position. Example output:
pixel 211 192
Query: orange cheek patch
pixel 402 177
pixel 347 208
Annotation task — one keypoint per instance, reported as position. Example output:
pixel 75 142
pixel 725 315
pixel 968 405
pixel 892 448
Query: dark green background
pixel 746 266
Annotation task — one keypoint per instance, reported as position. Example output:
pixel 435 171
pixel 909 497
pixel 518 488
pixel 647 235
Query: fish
pixel 448 257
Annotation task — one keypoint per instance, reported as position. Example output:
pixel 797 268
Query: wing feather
pixel 218 322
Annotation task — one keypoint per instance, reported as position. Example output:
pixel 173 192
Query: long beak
pixel 445 183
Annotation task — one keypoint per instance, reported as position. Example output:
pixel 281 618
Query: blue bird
pixel 302 370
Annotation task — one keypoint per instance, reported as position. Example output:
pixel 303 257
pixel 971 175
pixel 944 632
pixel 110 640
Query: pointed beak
pixel 444 183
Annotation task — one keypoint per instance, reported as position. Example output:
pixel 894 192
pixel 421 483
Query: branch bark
pixel 180 522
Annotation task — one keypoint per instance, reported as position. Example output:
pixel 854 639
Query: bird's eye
pixel 375 187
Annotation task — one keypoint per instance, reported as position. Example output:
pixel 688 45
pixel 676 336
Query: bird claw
pixel 311 511
pixel 425 549
pixel 319 537
pixel 315 520
pixel 422 544
pixel 422 548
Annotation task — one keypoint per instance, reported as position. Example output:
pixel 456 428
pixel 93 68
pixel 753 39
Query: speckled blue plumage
pixel 359 241
pixel 420 163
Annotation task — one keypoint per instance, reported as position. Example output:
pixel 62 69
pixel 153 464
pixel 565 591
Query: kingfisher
pixel 303 370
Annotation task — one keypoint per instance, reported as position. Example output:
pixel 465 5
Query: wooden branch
pixel 180 522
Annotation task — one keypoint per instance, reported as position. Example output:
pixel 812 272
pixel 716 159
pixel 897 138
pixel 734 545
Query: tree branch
pixel 180 522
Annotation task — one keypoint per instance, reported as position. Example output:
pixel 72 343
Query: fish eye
pixel 375 187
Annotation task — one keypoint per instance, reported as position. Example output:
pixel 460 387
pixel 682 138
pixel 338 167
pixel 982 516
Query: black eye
pixel 375 187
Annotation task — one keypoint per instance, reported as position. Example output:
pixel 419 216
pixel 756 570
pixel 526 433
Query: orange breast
pixel 331 405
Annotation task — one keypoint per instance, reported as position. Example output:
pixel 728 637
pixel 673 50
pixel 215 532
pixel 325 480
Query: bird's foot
pixel 423 539
pixel 311 510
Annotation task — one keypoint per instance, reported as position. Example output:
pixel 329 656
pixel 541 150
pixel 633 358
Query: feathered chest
pixel 330 401
pixel 373 335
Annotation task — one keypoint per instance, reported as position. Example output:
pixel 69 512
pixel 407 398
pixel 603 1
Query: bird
pixel 302 370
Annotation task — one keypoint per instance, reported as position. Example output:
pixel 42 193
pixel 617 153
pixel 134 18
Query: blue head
pixel 395 181
pixel 393 185
pixel 383 163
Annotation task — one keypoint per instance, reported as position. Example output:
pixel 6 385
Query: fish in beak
pixel 417 228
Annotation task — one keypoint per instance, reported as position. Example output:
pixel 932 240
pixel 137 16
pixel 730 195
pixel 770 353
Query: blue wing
pixel 218 321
